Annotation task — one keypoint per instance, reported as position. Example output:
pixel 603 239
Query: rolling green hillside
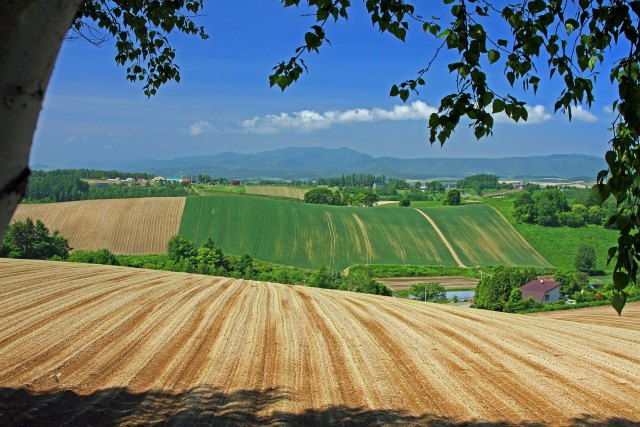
pixel 312 236
pixel 480 235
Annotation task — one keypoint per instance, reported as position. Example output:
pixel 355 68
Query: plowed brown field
pixel 604 315
pixel 450 283
pixel 88 345
pixel 124 226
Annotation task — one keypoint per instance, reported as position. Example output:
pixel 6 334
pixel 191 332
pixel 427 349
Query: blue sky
pixel 224 102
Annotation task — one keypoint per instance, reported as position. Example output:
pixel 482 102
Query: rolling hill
pixel 313 162
pixel 88 345
pixel 124 226
pixel 313 236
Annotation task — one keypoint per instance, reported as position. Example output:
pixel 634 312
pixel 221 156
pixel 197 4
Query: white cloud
pixel 200 127
pixel 537 114
pixel 582 115
pixel 307 120
pixel 607 109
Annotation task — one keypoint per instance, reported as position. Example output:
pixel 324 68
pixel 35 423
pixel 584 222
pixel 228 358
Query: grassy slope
pixel 559 244
pixel 481 236
pixel 312 236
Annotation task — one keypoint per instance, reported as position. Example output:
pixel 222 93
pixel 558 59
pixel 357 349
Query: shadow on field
pixel 206 406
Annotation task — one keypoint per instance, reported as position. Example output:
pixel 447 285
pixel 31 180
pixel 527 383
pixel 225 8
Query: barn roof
pixel 538 288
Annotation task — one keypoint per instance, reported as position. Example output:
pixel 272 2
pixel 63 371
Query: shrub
pixel 101 256
pixel 585 258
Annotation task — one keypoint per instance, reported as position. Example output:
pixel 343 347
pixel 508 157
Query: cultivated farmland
pixel 124 226
pixel 87 344
pixel 604 315
pixel 450 283
pixel 277 191
pixel 480 235
pixel 312 236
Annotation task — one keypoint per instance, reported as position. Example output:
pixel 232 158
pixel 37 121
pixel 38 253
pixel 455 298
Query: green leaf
pixel 618 301
pixel 620 280
pixel 312 40
pixel 570 25
pixel 493 55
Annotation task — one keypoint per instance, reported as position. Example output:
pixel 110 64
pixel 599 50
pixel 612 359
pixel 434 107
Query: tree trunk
pixel 31 34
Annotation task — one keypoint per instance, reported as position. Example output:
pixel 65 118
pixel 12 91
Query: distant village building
pixel 235 182
pixel 159 179
pixel 377 185
pixel 173 179
pixel 541 290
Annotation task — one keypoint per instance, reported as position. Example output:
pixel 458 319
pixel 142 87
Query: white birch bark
pixel 31 34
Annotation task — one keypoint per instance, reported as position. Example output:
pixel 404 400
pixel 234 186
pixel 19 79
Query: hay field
pixel 604 315
pixel 480 235
pixel 87 345
pixel 124 226
pixel 313 236
pixel 277 191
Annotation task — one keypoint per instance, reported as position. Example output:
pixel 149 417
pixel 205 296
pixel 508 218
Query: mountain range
pixel 313 162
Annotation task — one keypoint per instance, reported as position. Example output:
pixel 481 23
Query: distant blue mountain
pixel 313 162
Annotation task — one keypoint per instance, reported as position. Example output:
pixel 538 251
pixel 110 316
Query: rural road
pixel 444 239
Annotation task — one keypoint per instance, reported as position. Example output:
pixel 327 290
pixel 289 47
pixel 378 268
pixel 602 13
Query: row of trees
pixel 501 291
pixel 184 256
pixel 549 207
pixel 480 182
pixel 428 292
pixel 358 281
pixel 69 185
pixel 353 180
pixel 327 196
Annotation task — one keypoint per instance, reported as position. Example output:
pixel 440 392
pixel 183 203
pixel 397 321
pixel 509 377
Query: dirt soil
pixel 124 226
pixel 450 283
pixel 604 315
pixel 99 345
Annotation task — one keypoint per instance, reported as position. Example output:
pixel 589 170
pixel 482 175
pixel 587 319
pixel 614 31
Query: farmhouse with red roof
pixel 541 290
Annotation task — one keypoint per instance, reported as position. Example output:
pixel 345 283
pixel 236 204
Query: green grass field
pixel 560 244
pixel 312 236
pixel 481 236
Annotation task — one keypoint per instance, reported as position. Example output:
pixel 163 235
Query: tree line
pixel 69 185
pixel 33 240
pixel 501 291
pixel 549 207
pixel 327 196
